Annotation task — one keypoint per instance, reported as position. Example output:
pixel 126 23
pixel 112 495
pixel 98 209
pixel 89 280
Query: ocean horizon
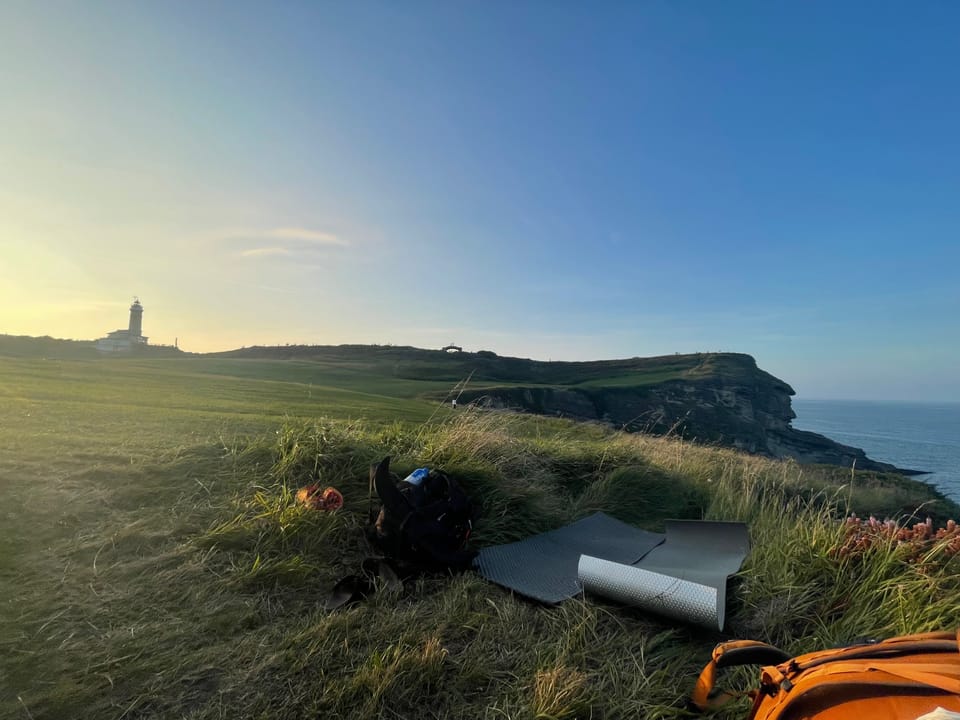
pixel 911 435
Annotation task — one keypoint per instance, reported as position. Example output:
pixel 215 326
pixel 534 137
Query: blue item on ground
pixel 417 476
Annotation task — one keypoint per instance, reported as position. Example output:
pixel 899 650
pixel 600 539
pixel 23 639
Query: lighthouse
pixel 124 341
pixel 136 320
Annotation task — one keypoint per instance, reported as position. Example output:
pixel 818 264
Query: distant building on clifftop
pixel 125 340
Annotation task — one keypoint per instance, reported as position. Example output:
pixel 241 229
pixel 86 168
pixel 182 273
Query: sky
pixel 555 180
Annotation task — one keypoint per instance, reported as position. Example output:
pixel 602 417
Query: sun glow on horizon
pixel 641 179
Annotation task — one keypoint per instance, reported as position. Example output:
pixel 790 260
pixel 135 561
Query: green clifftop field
pixel 717 398
pixel 154 563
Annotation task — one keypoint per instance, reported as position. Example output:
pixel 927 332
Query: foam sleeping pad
pixel 544 567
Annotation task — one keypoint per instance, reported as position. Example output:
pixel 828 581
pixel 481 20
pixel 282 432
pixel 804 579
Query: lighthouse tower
pixel 125 340
pixel 136 321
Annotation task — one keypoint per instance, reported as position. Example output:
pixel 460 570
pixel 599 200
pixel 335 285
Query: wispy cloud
pixel 313 236
pixel 290 243
pixel 265 252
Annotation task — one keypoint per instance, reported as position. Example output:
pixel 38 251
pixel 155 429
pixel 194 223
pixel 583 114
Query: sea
pixel 918 436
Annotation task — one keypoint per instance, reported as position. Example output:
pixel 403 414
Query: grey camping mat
pixel 701 551
pixel 544 567
pixel 684 578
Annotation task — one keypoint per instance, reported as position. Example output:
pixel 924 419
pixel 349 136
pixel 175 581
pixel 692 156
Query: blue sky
pixel 550 180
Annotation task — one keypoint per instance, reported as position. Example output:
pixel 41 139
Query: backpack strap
pixel 394 500
pixel 730 654
pixel 939 675
pixel 370 514
pixel 375 573
pixel 938 642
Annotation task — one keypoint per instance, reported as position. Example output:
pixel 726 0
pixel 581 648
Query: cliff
pixel 723 399
pixel 718 398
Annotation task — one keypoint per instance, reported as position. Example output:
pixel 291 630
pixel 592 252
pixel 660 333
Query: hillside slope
pixel 717 398
pixel 155 563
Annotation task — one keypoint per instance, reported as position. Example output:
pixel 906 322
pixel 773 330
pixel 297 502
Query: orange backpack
pixel 901 678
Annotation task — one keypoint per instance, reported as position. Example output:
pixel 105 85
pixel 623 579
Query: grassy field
pixel 153 562
pixel 487 368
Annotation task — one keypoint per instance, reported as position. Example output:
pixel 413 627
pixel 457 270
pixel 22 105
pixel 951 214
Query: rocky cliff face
pixel 727 400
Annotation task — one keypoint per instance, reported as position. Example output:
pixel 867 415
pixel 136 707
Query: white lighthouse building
pixel 125 340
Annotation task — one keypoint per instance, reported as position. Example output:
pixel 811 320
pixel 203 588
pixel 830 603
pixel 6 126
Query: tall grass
pixel 209 603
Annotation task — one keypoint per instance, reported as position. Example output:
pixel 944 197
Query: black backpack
pixel 424 526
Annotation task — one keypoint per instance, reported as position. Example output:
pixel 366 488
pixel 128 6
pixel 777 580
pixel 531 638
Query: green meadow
pixel 154 563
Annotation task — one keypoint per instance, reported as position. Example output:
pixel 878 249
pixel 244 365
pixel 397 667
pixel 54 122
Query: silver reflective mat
pixel 544 567
pixel 662 594
pixel 684 578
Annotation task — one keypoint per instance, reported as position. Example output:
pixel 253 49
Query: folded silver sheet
pixel 684 578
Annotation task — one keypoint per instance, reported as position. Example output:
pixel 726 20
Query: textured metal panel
pixel 662 594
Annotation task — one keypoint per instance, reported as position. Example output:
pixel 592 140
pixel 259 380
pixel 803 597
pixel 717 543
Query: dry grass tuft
pixel 560 692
